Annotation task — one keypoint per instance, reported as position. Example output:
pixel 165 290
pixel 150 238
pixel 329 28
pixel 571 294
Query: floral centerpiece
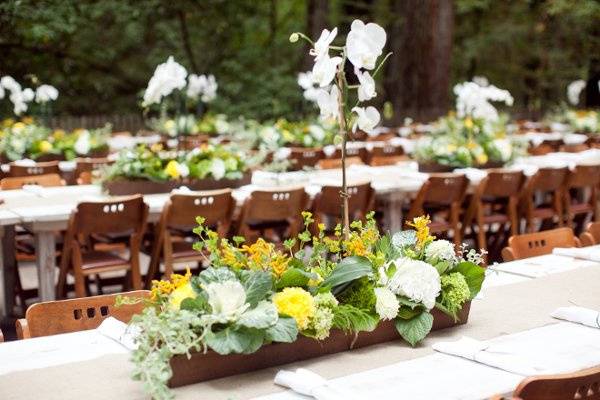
pixel 205 167
pixel 473 136
pixel 29 139
pixel 173 92
pixel 253 295
pixel 583 121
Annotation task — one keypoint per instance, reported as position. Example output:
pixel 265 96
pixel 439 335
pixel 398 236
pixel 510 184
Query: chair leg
pixel 481 238
pixel 136 276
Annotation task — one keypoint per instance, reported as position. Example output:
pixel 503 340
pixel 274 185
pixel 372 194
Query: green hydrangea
pixel 321 322
pixel 455 291
pixel 326 300
pixel 360 295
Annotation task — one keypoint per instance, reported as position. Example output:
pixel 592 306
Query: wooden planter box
pixel 125 187
pixel 433 167
pixel 210 365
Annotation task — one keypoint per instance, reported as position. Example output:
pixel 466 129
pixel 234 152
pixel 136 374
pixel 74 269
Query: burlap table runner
pixel 504 309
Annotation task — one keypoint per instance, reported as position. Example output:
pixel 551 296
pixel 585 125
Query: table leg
pixel 46 264
pixel 8 271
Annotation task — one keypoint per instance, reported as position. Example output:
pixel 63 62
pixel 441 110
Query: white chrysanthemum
pixel 574 90
pixel 83 144
pixel 417 280
pixel 387 305
pixel 440 250
pixel 45 93
pixel 217 168
pixel 227 300
pixel 504 147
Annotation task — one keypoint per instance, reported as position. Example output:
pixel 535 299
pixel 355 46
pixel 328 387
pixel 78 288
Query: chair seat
pixel 581 208
pixel 102 260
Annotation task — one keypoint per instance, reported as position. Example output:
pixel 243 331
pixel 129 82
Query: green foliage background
pixel 100 54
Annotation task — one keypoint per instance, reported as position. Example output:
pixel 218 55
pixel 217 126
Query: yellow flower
pixel 279 264
pixel 169 125
pixel 8 122
pixel 296 303
pixel 58 134
pixel 156 147
pixel 180 294
pixel 172 169
pixel 316 281
pixel 355 246
pixel 468 123
pixel 482 158
pixel 18 127
pixel 45 146
pixel 471 145
pixel 27 120
pixel 451 147
pixel 165 287
pixel 421 225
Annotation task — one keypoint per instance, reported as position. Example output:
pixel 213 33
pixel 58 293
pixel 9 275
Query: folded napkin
pixel 493 356
pixel 120 332
pixel 308 383
pixel 26 162
pixel 585 253
pixel 579 315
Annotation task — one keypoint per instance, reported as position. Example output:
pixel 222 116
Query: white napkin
pixel 181 190
pixel 67 166
pixel 585 253
pixel 308 383
pixel 482 352
pixel 120 332
pixel 579 315
pixel 26 162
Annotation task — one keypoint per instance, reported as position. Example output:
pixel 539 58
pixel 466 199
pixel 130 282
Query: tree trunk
pixel 417 77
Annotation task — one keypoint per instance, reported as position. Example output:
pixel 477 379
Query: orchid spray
pixel 330 89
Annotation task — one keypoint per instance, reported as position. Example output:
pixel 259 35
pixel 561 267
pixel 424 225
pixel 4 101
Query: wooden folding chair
pixel 73 315
pixel 327 205
pixel 177 220
pixel 591 236
pixel 86 166
pixel 441 197
pixel 40 168
pixel 538 244
pixel 495 202
pixel 581 195
pixel 574 148
pixel 352 152
pixel 125 216
pixel 305 157
pixel 548 185
pixel 275 215
pixel 582 385
pixel 48 180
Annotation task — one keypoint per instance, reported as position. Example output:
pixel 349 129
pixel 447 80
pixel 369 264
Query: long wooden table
pixel 501 310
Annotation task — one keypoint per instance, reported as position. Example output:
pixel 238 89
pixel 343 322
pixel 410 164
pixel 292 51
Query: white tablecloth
pixel 545 265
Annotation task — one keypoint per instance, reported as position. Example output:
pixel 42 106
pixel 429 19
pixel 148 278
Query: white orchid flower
pixel 210 89
pixel 328 102
pixel 321 48
pixel 367 120
pixel 28 95
pixel 10 84
pixel 19 103
pixel 574 90
pixel 1 92
pixel 305 80
pixel 311 94
pixel 366 90
pixel 45 93
pixel 365 43
pixel 195 85
pixel 83 144
pixel 324 70
pixel 167 77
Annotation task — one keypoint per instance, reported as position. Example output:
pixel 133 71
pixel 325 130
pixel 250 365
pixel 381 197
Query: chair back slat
pixel 503 183
pixel 579 385
pixel 215 206
pixel 538 243
pixel 333 163
pixel 583 176
pixel 328 201
pixel 305 157
pixel 547 180
pixel 40 168
pixel 116 216
pixel 445 189
pixel 48 180
pixel 275 205
pixel 72 315
pixel 592 234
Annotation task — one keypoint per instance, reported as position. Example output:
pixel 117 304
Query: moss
pixel 360 295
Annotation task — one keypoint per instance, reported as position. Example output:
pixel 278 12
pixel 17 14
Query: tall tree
pixel 417 78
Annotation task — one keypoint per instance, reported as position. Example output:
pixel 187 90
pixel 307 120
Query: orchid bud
pixel 294 37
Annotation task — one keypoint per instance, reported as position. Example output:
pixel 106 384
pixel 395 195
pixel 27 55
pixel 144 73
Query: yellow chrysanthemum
pixel 421 225
pixel 180 294
pixel 45 146
pixel 296 303
pixel 58 134
pixel 27 120
pixel 8 122
pixel 18 127
pixel 468 123
pixel 172 169
pixel 482 158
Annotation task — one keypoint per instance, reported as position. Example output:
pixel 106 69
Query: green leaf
pixel 348 270
pixel 262 316
pixel 235 340
pixel 294 277
pixel 195 304
pixel 474 275
pixel 406 302
pixel 257 285
pixel 442 267
pixel 415 329
pixel 284 331
pixel 211 275
pixel 407 313
pixel 351 319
